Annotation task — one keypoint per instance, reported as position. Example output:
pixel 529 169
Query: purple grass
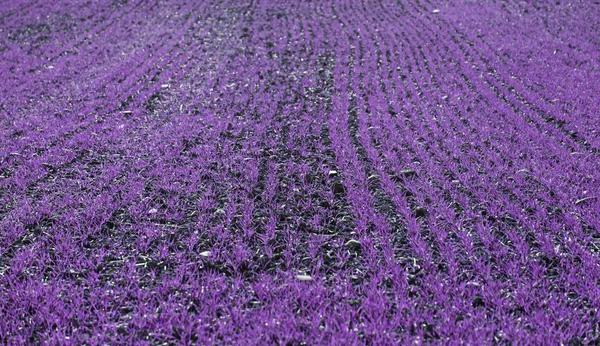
pixel 299 172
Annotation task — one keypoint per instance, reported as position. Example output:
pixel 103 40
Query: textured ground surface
pixel 293 172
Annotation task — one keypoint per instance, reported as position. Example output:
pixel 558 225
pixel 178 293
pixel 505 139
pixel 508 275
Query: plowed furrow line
pixel 95 30
pixel 181 234
pixel 547 112
pixel 445 127
pixel 90 107
pixel 565 156
pixel 74 161
pixel 516 237
pixel 558 199
pixel 127 88
pixel 561 167
pixel 19 87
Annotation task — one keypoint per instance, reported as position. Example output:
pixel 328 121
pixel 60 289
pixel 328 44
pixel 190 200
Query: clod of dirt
pixel 420 211
pixel 338 188
pixel 352 244
pixel 478 302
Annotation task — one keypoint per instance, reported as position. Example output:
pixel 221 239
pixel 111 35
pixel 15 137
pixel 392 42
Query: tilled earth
pixel 300 172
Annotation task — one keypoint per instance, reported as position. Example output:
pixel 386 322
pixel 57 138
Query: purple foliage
pixel 299 172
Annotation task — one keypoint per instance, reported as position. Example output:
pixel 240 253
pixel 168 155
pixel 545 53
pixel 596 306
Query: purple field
pixel 300 172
